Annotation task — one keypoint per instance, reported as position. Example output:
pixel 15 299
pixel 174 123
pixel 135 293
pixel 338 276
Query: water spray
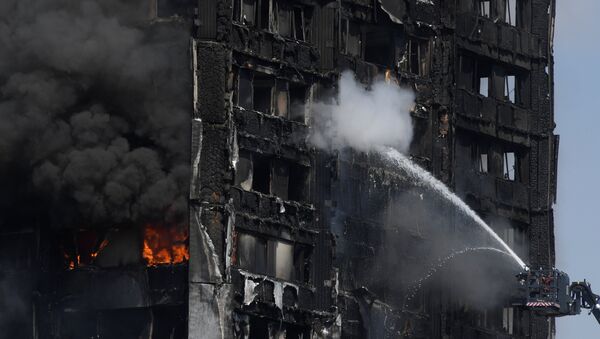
pixel 426 178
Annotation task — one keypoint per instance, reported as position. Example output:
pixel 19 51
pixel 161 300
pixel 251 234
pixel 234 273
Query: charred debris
pixel 288 241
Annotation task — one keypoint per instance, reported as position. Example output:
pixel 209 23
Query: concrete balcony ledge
pixel 497 118
pixel 274 47
pixel 272 135
pixel 499 36
pixel 263 210
pixel 501 192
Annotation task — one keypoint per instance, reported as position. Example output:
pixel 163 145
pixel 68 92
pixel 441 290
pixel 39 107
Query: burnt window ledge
pixel 286 205
pixel 268 116
pixel 270 34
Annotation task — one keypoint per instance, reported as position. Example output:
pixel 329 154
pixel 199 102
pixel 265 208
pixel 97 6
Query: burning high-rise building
pixel 161 181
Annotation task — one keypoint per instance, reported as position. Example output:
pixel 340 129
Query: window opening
pixel 299 24
pixel 244 93
pixel 282 99
pixel 351 38
pixel 298 182
pixel 263 91
pixel 509 166
pixel 248 12
pixel 510 88
pixel 298 94
pixel 508 319
pixel 244 171
pixel 261 176
pixel 484 86
pixel 265 14
pixel 511 12
pixel 484 7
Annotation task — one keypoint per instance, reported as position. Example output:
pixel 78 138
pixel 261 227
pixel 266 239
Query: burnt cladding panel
pixel 324 34
pixel 322 258
pixel 207 17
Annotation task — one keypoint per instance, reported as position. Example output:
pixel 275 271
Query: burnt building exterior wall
pixel 287 240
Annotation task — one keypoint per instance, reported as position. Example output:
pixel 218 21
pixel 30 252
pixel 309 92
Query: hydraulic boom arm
pixel 582 294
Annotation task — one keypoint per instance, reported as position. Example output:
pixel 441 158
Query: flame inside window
pixel 81 248
pixel 165 245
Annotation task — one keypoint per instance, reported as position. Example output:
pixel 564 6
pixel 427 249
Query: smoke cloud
pixel 364 119
pixel 93 114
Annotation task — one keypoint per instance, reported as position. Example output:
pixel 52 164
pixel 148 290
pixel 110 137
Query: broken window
pixel 282 99
pixel 299 29
pixel 252 253
pixel 493 80
pixel 302 263
pixel 417 58
pixel 379 47
pixel 523 13
pixel 511 12
pixel 483 8
pixel 351 38
pixel 483 163
pixel 262 93
pixel 483 79
pixel 480 154
pixel 510 88
pixel 280 179
pixel 253 13
pixel 281 259
pixel 298 95
pixel 507 319
pixel 261 174
pixel 290 21
pixel 509 166
pixel 244 90
pixel 284 179
pixel 264 14
pixel 248 12
pixel 466 76
pixel 517 87
pixel 244 171
pixel 284 20
pixel 484 86
pixel 291 101
pixel 298 182
pixel 476 74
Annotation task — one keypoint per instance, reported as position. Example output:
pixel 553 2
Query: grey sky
pixel 577 69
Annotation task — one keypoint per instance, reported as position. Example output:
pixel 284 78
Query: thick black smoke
pixel 94 111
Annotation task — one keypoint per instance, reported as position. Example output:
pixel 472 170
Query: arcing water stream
pixel 414 288
pixel 425 177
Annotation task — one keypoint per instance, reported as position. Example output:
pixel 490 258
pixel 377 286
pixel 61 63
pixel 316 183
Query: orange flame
pixel 165 245
pixel 73 262
pixel 103 244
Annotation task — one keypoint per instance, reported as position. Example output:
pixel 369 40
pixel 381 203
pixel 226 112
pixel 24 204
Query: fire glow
pixel 85 249
pixel 162 245
pixel 165 245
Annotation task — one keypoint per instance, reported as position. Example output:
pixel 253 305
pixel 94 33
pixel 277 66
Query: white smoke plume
pixel 364 118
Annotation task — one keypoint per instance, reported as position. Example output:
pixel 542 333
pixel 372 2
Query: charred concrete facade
pixel 287 240
pixel 290 241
